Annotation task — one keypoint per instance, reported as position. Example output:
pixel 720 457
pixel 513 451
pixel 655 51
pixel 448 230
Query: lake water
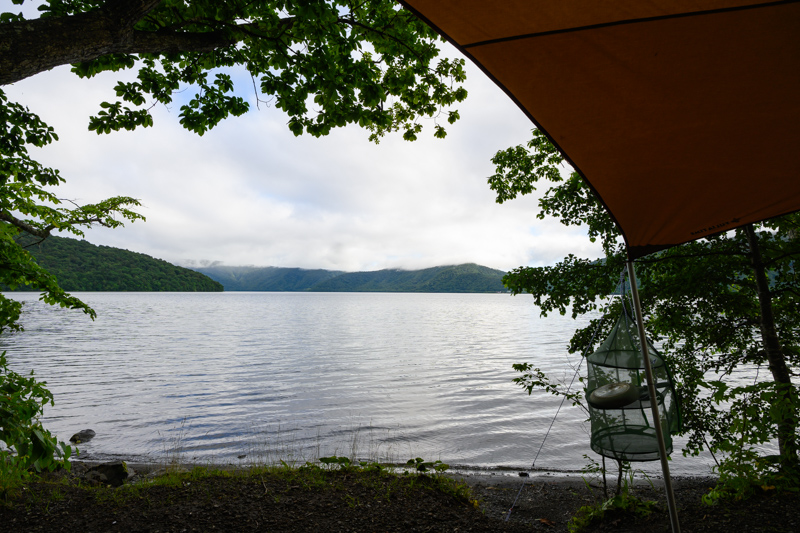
pixel 215 376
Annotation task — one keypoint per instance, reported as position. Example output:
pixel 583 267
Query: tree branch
pixel 128 12
pixel 690 256
pixel 44 233
pixel 24 226
pixel 33 46
pixel 773 260
pixel 171 42
pixel 789 290
pixel 354 23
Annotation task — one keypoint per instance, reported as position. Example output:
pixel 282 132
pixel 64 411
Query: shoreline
pixel 472 476
pixel 363 500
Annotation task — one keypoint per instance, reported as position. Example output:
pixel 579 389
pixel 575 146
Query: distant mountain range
pixel 81 266
pixel 457 278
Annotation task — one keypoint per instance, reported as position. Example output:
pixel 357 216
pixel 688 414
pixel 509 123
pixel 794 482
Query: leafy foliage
pixel 421 465
pixel 535 378
pixel 324 63
pixel 740 479
pixel 624 502
pixel 722 329
pixel 27 444
pixel 27 206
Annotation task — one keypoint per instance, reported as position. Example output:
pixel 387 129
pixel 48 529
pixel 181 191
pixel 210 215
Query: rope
pixel 623 291
pixel 524 479
pixel 563 399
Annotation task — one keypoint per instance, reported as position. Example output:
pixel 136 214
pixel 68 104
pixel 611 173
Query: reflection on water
pixel 299 375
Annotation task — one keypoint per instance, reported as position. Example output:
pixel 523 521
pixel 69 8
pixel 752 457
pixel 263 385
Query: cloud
pixel 251 193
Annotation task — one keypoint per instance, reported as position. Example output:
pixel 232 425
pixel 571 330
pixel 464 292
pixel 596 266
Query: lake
pixel 295 376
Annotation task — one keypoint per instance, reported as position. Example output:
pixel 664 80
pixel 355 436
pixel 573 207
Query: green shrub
pixel 623 502
pixel 27 445
pixel 748 473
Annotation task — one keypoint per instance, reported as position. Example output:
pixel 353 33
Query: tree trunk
pixel 787 427
pixel 33 46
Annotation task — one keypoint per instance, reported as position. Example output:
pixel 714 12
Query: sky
pixel 251 193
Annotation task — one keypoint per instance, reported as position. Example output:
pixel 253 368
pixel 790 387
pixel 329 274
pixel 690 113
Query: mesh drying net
pixel 619 403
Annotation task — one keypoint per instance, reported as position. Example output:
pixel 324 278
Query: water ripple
pixel 385 376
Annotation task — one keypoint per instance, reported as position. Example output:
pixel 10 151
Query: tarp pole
pixel 651 388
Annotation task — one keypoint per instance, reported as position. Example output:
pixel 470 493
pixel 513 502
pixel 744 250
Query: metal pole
pixel 651 388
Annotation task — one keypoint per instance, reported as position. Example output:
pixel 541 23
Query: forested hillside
pixel 82 266
pixel 457 278
pixel 248 278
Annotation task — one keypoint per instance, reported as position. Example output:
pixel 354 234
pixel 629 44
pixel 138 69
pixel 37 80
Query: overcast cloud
pixel 251 193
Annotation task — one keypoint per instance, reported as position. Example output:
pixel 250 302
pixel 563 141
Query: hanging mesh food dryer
pixel 619 402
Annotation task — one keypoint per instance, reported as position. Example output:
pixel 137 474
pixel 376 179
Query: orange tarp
pixel 683 116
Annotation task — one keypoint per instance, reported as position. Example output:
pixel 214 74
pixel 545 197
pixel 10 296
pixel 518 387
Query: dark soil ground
pixel 366 501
